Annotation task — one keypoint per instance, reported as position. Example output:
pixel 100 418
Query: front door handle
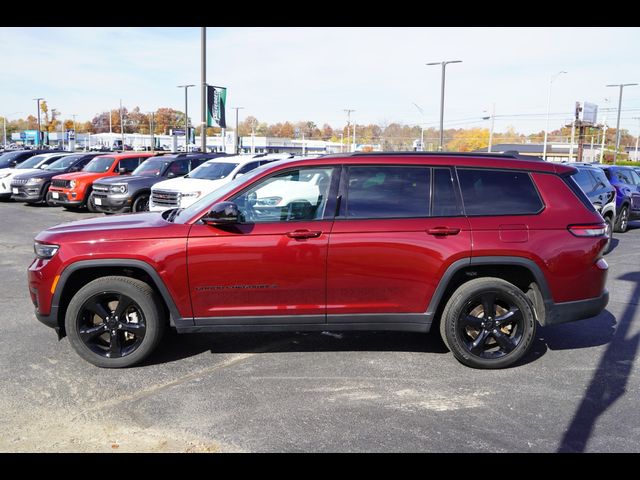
pixel 301 234
pixel 443 231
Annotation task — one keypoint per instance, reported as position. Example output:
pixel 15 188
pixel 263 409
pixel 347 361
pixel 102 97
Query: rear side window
pixel 129 163
pixel 445 203
pixel 600 177
pixel 623 176
pixel 498 192
pixel 388 192
pixel 584 179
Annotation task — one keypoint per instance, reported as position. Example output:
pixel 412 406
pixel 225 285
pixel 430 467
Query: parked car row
pixel 120 182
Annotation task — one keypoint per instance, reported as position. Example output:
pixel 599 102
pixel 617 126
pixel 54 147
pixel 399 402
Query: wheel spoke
pixel 505 342
pixel 512 315
pixel 489 304
pixel 115 347
pixel 88 334
pixel 477 347
pixel 124 302
pixel 471 321
pixel 136 328
pixel 99 309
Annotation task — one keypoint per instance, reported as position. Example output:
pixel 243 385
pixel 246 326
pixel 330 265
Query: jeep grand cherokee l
pixel 485 246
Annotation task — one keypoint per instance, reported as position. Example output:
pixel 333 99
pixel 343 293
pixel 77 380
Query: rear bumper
pixel 571 311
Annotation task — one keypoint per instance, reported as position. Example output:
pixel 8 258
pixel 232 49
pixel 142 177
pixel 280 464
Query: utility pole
pixel 492 117
pixel 635 157
pixel 74 134
pixel 203 75
pixel 348 110
pixel 621 85
pixel 153 143
pixel 546 130
pixel 237 134
pixel 121 126
pixel 186 116
pixel 444 64
pixel 39 134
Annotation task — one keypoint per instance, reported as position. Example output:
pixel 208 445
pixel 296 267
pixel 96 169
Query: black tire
pixel 96 329
pixel 91 206
pixel 610 227
pixel 500 340
pixel 141 203
pixel 622 219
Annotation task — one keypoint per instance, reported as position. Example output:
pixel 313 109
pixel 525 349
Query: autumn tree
pixel 468 140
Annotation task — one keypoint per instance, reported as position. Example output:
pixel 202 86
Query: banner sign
pixel 216 103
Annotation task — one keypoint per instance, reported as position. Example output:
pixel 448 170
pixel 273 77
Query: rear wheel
pixel 114 321
pixel 622 221
pixel 488 323
pixel 609 221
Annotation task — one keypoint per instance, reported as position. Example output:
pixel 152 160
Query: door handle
pixel 437 231
pixel 301 234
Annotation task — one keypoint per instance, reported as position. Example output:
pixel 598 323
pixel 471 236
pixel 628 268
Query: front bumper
pixel 111 203
pixel 28 193
pixel 571 311
pixel 63 199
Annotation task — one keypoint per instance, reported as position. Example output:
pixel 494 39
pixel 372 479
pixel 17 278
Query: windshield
pixel 213 171
pixel 99 165
pixel 5 160
pixel 63 163
pixel 153 166
pixel 208 199
pixel 32 162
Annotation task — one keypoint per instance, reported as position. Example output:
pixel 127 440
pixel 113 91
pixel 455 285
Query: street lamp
pixel 38 137
pixel 492 117
pixel 546 130
pixel 421 126
pixel 349 110
pixel 186 117
pixel 621 85
pixel 444 64
pixel 236 133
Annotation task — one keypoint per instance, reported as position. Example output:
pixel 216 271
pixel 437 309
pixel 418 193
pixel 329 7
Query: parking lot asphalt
pixel 577 390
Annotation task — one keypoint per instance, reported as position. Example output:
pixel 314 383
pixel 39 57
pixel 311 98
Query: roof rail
pixel 510 154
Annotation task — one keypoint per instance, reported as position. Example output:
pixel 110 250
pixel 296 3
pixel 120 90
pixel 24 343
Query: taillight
pixel 590 230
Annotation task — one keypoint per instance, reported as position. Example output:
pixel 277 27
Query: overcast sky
pixel 309 73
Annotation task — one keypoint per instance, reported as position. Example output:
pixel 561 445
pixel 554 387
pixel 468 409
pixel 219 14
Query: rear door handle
pixel 301 234
pixel 443 231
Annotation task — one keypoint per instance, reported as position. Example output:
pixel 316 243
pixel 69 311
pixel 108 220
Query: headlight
pixel 72 184
pixel 35 181
pixel 118 189
pixel 268 201
pixel 44 250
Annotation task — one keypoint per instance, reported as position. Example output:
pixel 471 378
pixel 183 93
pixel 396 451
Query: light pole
pixel 421 126
pixel 236 133
pixel 635 157
pixel 38 136
pixel 444 64
pixel 186 117
pixel 203 75
pixel 546 130
pixel 492 117
pixel 349 110
pixel 621 85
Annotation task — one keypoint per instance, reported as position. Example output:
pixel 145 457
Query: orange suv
pixel 72 190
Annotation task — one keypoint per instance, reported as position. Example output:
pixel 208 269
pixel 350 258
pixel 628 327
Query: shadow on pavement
pixel 610 379
pixel 178 346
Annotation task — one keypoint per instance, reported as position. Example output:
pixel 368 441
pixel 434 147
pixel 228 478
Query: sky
pixel 314 73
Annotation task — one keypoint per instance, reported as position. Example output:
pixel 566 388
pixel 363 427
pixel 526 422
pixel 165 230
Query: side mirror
pixel 171 175
pixel 122 171
pixel 223 213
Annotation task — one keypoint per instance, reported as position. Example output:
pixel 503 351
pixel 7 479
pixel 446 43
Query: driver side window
pixel 299 194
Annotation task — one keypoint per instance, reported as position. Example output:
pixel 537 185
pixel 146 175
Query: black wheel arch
pixel 80 273
pixel 520 271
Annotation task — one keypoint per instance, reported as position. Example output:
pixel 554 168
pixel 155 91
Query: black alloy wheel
pixel 488 323
pixel 141 203
pixel 111 324
pixel 115 321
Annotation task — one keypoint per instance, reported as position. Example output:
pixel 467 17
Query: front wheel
pixel 141 203
pixel 488 323
pixel 114 321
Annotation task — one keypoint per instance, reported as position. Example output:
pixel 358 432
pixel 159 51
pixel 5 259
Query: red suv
pixel 485 246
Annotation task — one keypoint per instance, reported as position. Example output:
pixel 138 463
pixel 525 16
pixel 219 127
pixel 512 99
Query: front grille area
pixel 19 181
pixel 60 183
pixel 100 188
pixel 165 198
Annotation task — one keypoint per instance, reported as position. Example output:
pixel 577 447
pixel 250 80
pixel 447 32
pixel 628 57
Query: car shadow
pixel 610 379
pixel 179 346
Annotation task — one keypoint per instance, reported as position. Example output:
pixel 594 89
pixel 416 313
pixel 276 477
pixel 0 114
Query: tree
pixel 468 140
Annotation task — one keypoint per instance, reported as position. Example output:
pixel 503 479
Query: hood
pixel 128 179
pixel 37 174
pixel 82 175
pixel 116 227
pixel 190 185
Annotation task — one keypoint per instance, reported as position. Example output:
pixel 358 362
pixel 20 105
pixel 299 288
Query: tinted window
pixel 63 163
pixel 387 192
pixel 584 179
pixel 196 162
pixel 153 166
pixel 7 158
pixel 99 165
pixel 213 171
pixel 494 192
pixel 129 163
pixel 623 176
pixel 248 167
pixel 178 168
pixel 600 177
pixel 445 203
